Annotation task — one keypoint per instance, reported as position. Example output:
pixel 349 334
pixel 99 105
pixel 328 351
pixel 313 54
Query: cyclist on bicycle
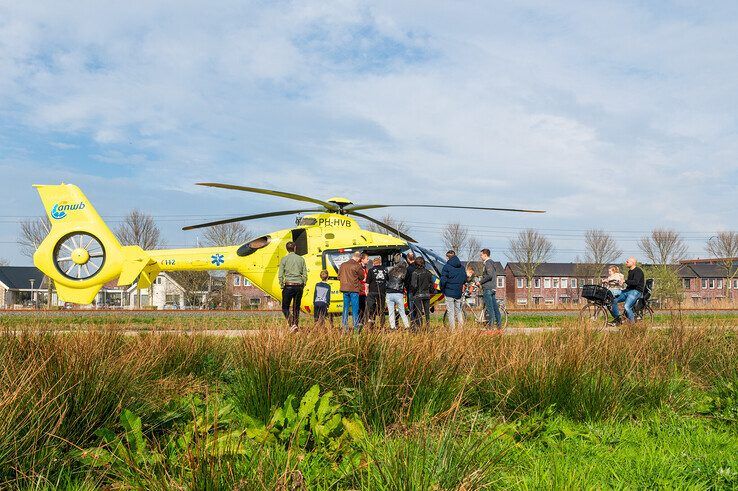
pixel 634 285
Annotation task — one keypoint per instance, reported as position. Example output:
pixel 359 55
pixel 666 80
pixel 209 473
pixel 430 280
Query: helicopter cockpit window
pixel 299 237
pixel 253 246
pixel 437 261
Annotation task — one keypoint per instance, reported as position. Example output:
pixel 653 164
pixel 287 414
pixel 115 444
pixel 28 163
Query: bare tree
pixel 32 232
pixel 663 247
pixel 600 249
pixel 228 234
pixel 139 229
pixel 392 222
pixel 4 262
pixel 529 249
pixel 458 238
pixel 724 248
pixel 194 284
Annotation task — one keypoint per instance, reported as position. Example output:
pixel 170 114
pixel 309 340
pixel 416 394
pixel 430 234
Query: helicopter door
pixel 299 237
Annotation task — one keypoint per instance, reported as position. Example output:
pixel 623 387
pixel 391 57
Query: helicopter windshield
pixel 437 261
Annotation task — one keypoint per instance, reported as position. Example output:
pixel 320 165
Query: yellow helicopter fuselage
pixel 324 240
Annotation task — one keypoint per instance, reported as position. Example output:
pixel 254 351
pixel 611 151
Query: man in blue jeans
pixel 635 283
pixel 351 276
pixel 488 281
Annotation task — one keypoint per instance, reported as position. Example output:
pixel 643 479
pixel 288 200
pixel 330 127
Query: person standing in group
pixel 351 274
pixel 635 283
pixel 395 287
pixel 292 276
pixel 421 285
pixel 453 278
pixel 321 300
pixel 410 258
pixel 488 281
pixel 364 287
pixel 377 284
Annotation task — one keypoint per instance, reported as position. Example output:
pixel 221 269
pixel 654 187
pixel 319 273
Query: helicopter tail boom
pixel 80 253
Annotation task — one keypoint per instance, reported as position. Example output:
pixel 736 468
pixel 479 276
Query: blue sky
pixel 615 115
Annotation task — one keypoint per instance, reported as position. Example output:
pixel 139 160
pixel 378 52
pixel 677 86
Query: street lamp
pixel 33 298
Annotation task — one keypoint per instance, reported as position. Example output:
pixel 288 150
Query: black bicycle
pixel 596 312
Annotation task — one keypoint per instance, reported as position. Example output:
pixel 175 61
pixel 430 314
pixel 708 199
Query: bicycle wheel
pixel 593 315
pixel 503 313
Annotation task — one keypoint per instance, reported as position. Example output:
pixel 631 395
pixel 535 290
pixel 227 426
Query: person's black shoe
pixel 615 322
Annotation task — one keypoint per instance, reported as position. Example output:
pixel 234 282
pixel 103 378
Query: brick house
pixel 554 284
pixel 249 296
pixel 710 282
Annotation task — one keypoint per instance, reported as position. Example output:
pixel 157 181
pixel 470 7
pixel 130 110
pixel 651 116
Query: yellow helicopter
pixel 81 253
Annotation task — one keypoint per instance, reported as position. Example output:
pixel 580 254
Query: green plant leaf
pixel 307 404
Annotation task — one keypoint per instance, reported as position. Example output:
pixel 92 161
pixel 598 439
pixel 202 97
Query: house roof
pixel 706 270
pixel 18 277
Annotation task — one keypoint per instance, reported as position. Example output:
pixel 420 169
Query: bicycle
pixel 596 312
pixel 477 314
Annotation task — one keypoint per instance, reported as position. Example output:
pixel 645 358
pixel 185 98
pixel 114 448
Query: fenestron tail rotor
pixel 340 206
pixel 79 256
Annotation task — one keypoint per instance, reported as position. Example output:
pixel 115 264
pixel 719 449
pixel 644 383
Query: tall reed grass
pixel 57 390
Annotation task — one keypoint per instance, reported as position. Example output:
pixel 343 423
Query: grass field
pixel 319 410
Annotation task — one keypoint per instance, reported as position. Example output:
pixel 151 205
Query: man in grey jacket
pixel 489 289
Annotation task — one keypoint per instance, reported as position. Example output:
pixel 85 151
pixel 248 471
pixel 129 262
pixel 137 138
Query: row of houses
pixel 27 287
pixel 554 284
pixel 558 284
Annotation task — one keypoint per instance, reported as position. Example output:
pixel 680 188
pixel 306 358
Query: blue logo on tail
pixel 59 210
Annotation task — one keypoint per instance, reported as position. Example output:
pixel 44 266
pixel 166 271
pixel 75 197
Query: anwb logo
pixel 59 210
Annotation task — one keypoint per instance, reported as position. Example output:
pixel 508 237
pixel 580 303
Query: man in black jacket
pixel 410 258
pixel 377 280
pixel 634 285
pixel 489 289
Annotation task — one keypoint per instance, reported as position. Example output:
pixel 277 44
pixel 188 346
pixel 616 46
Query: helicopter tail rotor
pixel 81 253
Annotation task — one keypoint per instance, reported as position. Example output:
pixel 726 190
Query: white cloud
pixel 606 114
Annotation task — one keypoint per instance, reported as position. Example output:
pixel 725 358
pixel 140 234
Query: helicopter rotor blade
pixel 281 194
pixel 382 224
pixel 371 207
pixel 250 217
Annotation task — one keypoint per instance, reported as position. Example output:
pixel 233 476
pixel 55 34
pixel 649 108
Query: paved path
pixel 235 333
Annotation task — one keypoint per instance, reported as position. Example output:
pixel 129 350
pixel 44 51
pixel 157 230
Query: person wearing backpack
pixel 376 279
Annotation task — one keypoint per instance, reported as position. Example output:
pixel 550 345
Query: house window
pixel 171 299
pixel 711 282
pixel 549 301
pixel 537 282
pixel 255 302
pixel 704 283
pixel 500 282
pixel 555 282
pixel 236 280
pixel 522 301
pixel 520 282
pixel 564 299
pixel 685 283
pixel 546 282
pixel 158 280
pixel 735 284
pixel 246 282
pixel 573 282
pixel 564 282
pixel 720 283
